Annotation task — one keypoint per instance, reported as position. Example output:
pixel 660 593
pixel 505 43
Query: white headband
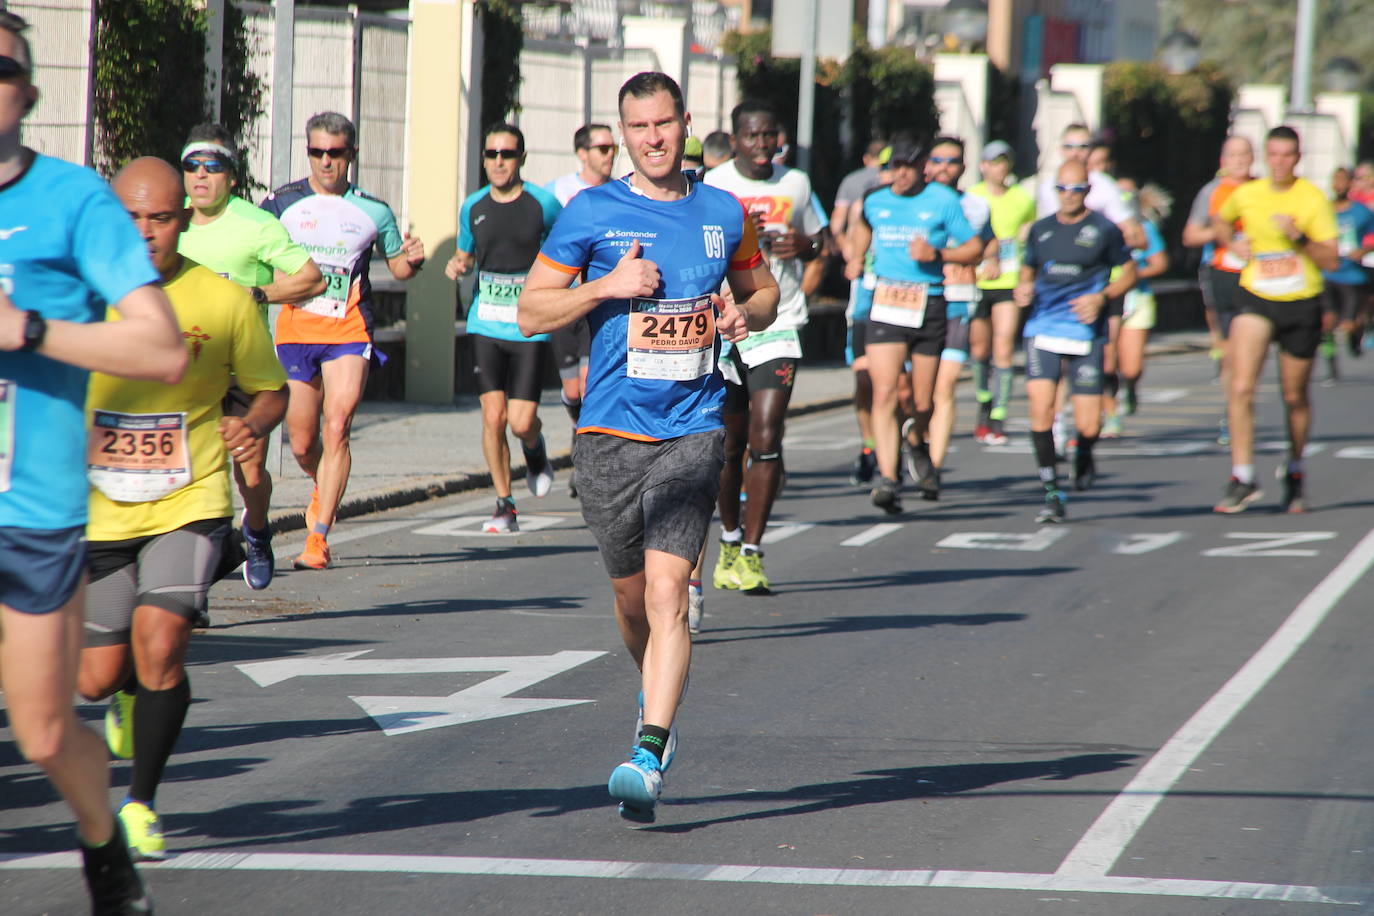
pixel 208 146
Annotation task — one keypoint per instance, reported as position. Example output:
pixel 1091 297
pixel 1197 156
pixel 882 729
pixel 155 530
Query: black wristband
pixel 258 295
pixel 35 329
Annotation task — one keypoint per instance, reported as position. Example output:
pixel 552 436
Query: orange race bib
pixel 137 457
pixel 1279 274
pixel 672 339
pixel 899 302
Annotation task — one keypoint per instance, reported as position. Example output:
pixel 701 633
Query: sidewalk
pixel 407 453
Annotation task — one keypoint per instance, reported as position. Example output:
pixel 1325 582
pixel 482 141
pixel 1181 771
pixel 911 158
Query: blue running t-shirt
pixel 1071 260
pixel 935 214
pixel 67 249
pixel 652 371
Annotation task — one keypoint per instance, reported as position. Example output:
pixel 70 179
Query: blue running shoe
pixel 670 749
pixel 261 563
pixel 637 783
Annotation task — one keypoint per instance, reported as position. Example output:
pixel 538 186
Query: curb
pixel 288 520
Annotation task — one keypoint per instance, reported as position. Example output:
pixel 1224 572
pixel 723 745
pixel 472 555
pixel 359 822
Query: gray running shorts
pixel 172 571
pixel 639 496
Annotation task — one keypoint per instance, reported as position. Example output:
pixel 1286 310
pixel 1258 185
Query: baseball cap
pixel 997 149
pixel 905 152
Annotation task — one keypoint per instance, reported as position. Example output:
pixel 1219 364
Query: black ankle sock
pixel 654 740
pixel 1044 456
pixel 158 715
pixel 1084 456
pixel 1110 383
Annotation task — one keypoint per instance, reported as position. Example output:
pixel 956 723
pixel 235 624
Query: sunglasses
pixel 602 148
pixel 191 165
pixel 1072 188
pixel 334 152
pixel 1075 146
pixel 945 160
pixel 501 153
pixel 10 68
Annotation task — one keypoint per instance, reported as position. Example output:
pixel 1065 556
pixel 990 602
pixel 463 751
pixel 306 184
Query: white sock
pixel 1245 473
pixel 731 537
pixel 749 548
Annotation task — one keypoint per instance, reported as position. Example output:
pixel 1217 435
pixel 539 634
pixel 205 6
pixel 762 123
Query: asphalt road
pixel 1152 709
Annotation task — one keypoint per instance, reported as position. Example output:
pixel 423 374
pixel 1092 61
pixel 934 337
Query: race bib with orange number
pixel 672 339
pixel 961 283
pixel 899 302
pixel 138 457
pixel 1278 274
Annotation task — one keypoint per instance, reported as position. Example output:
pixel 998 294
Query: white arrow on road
pixel 398 715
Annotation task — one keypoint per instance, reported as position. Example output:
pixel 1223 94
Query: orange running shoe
pixel 312 511
pixel 315 555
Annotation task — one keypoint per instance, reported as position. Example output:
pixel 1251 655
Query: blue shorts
pixel 1084 372
pixel 40 568
pixel 302 361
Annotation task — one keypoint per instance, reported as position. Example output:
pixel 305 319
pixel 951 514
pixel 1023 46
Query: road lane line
pixel 724 874
pixel 871 535
pixel 1097 851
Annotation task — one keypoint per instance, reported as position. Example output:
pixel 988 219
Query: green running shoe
pixel 119 725
pixel 143 829
pixel 748 572
pixel 724 574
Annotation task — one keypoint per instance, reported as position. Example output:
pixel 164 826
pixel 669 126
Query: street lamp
pixel 1341 74
pixel 967 20
pixel 1180 52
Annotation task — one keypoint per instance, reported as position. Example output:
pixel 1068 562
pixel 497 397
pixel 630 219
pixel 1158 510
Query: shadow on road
pixel 857 624
pixel 893 786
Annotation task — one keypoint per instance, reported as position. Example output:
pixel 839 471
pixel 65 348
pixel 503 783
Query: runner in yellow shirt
pixel 1290 236
pixel 160 504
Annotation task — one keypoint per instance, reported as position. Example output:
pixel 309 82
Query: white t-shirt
pixel 566 187
pixel 1103 197
pixel 785 200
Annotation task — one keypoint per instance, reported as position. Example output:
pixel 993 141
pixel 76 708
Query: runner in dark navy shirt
pixel 1064 281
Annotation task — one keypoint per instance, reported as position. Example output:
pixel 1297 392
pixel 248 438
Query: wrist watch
pixel 35 329
pixel 258 295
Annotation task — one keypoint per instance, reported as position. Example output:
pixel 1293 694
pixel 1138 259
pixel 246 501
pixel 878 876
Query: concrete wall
pixel 60 34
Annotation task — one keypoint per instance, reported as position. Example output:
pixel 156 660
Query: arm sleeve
pixel 276 249
pixel 109 254
pixel 1200 214
pixel 1321 226
pixel 568 246
pixel 1030 257
pixel 255 364
pixel 465 240
pixel 1230 210
pixel 1117 252
pixel 956 223
pixel 389 239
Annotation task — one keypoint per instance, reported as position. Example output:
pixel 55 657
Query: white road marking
pixel 489 699
pixel 871 534
pixel 1162 395
pixel 1144 543
pixel 988 540
pixel 1152 450
pixel 471 526
pixel 781 531
pixel 1274 544
pixel 1116 827
pixel 819 443
pixel 1356 451
pixel 1281 445
pixel 721 874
